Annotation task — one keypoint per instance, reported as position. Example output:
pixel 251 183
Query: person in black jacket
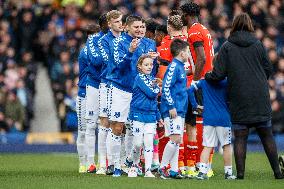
pixel 243 60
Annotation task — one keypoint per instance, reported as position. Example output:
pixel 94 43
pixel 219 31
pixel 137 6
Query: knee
pixel 117 128
pixel 104 122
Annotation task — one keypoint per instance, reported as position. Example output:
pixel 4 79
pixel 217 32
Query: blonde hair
pixel 141 60
pixel 113 14
pixel 175 21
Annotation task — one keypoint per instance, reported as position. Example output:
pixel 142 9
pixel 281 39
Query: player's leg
pixel 81 112
pixel 190 122
pixel 92 113
pixel 210 140
pixel 224 136
pixel 119 108
pixel 173 129
pixel 104 130
pixel 128 144
pixel 156 162
pixel 137 130
pixel 149 132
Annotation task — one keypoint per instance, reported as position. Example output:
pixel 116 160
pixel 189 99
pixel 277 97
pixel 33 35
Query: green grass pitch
pixel 60 171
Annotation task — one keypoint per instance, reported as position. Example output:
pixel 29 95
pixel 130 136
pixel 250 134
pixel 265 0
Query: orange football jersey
pixel 198 34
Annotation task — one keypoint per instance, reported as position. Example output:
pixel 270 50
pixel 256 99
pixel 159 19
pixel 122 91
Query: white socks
pixel 136 149
pixel 108 142
pixel 170 152
pixel 122 150
pixel 148 150
pixel 228 169
pixel 102 148
pixel 90 141
pixel 203 167
pixel 128 141
pixel 115 147
pixel 81 147
pixel 81 112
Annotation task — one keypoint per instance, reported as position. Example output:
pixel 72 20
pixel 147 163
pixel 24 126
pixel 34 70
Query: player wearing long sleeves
pixel 173 107
pixel 144 115
pixel 202 53
pixel 121 77
pixel 81 108
pixel 92 96
pixel 106 46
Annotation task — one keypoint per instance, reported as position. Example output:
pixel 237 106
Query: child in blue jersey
pixel 174 106
pixel 144 115
pixel 217 124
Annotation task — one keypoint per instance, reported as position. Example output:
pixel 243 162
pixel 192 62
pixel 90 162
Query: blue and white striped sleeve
pixel 145 85
pixel 93 53
pixel 104 49
pixel 122 56
pixel 170 79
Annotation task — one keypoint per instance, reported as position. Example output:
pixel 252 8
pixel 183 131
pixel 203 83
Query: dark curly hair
pixel 102 19
pixel 191 9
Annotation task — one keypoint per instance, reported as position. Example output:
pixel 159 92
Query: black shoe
pixel 110 170
pixel 278 176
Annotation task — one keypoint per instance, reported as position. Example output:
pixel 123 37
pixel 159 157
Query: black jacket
pixel 243 60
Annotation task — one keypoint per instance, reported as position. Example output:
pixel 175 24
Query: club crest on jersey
pixel 178 127
pixel 117 114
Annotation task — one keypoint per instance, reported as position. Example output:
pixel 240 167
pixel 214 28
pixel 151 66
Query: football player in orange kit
pixel 202 51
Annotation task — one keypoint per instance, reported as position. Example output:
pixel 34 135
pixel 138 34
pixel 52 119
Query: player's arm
pixel 104 49
pixel 219 71
pixel 200 60
pixel 93 52
pixel 146 87
pixel 170 79
pixel 191 95
pixel 123 57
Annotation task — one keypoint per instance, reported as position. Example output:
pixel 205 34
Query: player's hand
pixel 173 113
pixel 198 110
pixel 154 54
pixel 158 81
pixel 193 83
pixel 134 44
pixel 161 123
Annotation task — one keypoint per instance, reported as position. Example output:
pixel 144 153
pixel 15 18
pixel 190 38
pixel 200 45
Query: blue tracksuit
pixel 144 104
pixel 83 71
pixel 95 60
pixel 124 70
pixel 216 111
pixel 174 93
pixel 107 45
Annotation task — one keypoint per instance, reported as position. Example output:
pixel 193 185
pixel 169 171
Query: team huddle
pixel 146 93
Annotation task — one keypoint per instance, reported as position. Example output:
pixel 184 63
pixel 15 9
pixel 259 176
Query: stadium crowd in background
pixel 52 32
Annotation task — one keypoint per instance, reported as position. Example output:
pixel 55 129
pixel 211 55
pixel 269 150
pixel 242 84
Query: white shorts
pixel 81 112
pixel 92 103
pixel 103 93
pixel 119 103
pixel 139 128
pixel 211 136
pixel 174 126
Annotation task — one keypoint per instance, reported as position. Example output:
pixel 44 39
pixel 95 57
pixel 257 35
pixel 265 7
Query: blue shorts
pixel 263 124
